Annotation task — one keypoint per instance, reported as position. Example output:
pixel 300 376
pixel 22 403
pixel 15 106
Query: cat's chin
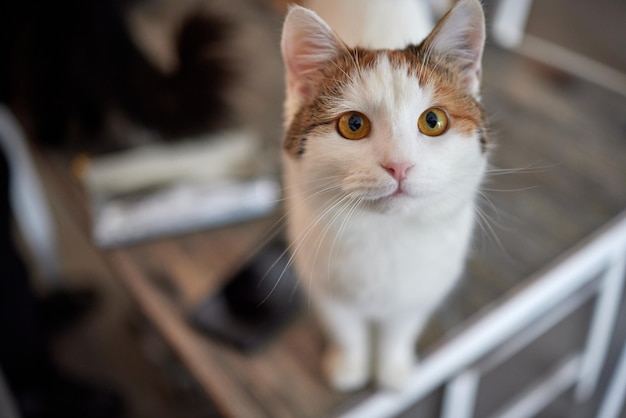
pixel 393 204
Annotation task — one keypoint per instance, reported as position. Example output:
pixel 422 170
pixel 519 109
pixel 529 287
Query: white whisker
pixel 355 203
pixel 290 248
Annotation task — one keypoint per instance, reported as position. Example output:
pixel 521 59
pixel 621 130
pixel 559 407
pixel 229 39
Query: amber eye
pixel 353 125
pixel 433 122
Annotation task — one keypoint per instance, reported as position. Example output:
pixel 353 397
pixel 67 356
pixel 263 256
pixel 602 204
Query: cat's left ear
pixel 460 34
pixel 307 44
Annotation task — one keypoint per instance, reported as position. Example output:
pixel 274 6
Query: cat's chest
pixel 375 263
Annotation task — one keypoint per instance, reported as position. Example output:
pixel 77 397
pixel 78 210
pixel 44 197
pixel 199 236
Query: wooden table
pixel 559 174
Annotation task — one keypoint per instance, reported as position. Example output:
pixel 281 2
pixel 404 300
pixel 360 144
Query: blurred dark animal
pixel 67 64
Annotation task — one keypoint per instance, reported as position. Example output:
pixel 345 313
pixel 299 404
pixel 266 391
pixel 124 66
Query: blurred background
pixel 94 80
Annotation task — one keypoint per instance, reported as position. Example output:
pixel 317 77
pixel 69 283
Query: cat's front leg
pixel 396 356
pixel 346 361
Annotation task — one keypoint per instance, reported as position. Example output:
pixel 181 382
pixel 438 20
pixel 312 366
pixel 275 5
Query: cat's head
pixel 395 130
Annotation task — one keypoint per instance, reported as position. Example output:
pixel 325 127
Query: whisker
pixel 306 234
pixel 529 169
pixel 487 225
pixel 348 76
pixel 355 203
pixel 273 230
pixel 325 232
pixel 336 216
pixel 519 189
pixel 289 248
pixel 317 180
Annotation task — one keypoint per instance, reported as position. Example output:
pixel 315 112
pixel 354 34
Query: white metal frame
pixel 593 268
pixel 613 400
pixel 509 31
pixel 30 204
pixel 509 22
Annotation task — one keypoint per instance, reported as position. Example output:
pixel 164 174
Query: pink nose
pixel 398 170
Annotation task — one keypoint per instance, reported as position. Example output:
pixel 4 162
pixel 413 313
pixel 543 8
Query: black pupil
pixel 431 119
pixel 355 122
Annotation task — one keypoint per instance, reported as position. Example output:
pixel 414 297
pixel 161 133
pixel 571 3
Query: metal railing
pixel 595 267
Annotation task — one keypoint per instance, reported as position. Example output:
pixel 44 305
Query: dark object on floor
pixel 62 308
pixel 255 304
pixel 53 395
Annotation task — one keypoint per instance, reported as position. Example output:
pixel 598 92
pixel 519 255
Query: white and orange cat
pixel 384 152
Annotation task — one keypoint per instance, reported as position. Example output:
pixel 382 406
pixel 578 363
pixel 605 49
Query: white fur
pixel 372 261
pixel 366 23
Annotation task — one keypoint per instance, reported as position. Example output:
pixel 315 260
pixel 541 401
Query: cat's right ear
pixel 307 43
pixel 460 36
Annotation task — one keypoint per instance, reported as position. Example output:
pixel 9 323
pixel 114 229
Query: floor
pixel 115 345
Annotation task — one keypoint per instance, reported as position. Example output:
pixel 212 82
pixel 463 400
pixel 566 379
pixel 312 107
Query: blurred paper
pixel 164 190
pixel 182 208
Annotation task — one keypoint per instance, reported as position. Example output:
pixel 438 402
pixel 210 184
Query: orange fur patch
pixel 319 114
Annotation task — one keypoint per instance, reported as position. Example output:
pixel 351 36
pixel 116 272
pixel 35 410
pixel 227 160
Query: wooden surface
pixel 559 173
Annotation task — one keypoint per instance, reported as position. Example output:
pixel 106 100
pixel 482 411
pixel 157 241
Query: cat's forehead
pixel 385 73
pixel 353 64
pixel 385 86
pixel 393 80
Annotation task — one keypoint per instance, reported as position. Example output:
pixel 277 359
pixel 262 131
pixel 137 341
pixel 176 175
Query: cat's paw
pixel 395 375
pixel 346 372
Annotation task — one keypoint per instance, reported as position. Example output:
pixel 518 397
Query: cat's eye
pixel 433 121
pixel 353 125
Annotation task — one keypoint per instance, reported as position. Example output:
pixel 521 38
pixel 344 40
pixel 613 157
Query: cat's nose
pixel 398 170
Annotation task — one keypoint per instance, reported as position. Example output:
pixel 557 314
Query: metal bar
pixel 542 325
pixel 28 200
pixel 509 23
pixel 613 401
pixel 573 63
pixel 602 325
pixel 542 394
pixel 546 289
pixel 460 395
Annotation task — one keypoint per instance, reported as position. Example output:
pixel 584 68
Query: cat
pixel 383 154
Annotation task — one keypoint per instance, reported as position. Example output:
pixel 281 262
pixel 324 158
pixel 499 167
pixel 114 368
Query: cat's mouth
pixel 393 195
pixel 396 193
pixel 399 191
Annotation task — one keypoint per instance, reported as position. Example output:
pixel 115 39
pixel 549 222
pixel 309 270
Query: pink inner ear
pixel 308 43
pixel 461 34
pixel 299 69
pixel 303 56
pixel 302 89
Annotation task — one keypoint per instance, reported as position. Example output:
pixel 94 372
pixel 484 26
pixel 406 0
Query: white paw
pixel 346 372
pixel 395 375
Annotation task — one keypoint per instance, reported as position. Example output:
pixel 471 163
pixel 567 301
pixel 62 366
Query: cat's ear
pixel 307 43
pixel 460 34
